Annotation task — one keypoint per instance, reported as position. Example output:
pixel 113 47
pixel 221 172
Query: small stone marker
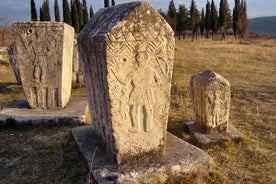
pixel 44 53
pixel 77 75
pixel 211 96
pixel 211 101
pixel 128 53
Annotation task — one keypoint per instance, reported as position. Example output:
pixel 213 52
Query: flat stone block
pixel 208 139
pixel 181 158
pixel 20 112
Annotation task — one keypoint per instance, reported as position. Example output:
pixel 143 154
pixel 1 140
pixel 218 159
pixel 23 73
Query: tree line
pixel 209 21
pixel 75 14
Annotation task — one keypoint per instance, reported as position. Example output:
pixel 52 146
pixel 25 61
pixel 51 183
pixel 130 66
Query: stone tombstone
pixel 14 62
pixel 77 75
pixel 128 52
pixel 44 53
pixel 211 95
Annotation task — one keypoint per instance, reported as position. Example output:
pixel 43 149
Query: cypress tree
pixel 192 15
pixel 91 12
pixel 207 20
pixel 41 15
pixel 85 12
pixel 80 13
pixel 113 3
pixel 243 21
pixel 194 19
pixel 33 11
pixel 106 3
pixel 202 23
pixel 182 20
pixel 46 10
pixel 172 15
pixel 57 14
pixel 72 12
pixel 224 17
pixel 66 12
pixel 214 19
pixel 236 11
pixel 75 17
pixel 228 16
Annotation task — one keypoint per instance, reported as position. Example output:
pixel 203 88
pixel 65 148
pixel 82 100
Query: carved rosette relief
pixel 40 56
pixel 211 100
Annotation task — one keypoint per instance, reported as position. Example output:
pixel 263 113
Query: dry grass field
pixel 48 154
pixel 250 69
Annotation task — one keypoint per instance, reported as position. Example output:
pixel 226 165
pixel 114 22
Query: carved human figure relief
pixel 42 45
pixel 142 96
pixel 42 62
pixel 215 103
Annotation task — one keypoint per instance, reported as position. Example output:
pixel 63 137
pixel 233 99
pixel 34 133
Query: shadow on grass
pixel 12 124
pixel 178 128
pixel 41 154
pixel 4 85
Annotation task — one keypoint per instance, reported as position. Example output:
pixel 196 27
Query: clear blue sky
pixel 19 10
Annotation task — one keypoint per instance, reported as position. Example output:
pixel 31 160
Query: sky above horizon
pixel 19 10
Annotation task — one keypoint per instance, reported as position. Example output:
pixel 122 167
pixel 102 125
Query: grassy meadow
pixel 48 154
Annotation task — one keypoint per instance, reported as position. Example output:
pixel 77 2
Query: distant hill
pixel 263 25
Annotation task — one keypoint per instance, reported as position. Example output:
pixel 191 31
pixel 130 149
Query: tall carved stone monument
pixel 128 53
pixel 44 53
pixel 211 101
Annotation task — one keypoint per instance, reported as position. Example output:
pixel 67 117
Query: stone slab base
pixel 181 158
pixel 208 139
pixel 19 113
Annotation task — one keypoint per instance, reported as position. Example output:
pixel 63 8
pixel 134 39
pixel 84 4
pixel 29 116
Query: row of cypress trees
pixel 106 3
pixel 210 20
pixel 76 15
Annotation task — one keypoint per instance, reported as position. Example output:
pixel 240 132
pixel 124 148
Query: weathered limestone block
pixel 44 53
pixel 211 95
pixel 128 51
pixel 14 62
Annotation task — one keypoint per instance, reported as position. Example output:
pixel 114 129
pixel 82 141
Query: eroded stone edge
pixel 180 158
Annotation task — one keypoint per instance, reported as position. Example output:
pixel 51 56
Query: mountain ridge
pixel 263 25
